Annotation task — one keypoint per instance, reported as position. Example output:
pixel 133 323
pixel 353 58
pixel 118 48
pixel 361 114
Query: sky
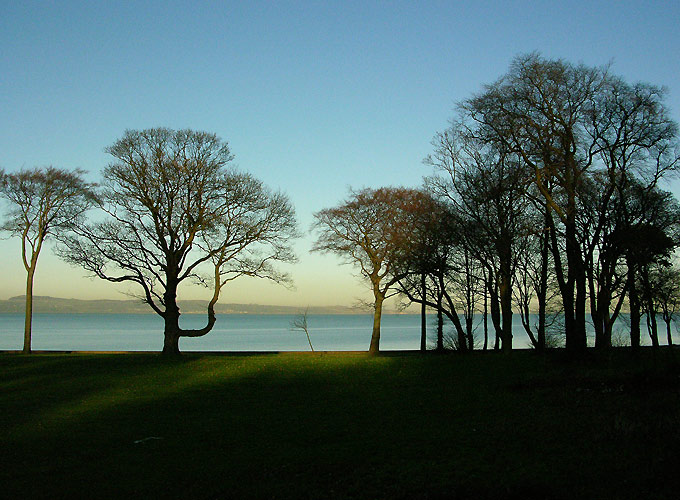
pixel 312 97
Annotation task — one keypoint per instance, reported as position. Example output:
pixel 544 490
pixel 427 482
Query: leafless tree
pixel 174 209
pixel 668 298
pixel 485 183
pixel 374 229
pixel 43 203
pixel 300 323
pixel 567 122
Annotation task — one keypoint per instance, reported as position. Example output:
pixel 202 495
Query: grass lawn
pixel 340 426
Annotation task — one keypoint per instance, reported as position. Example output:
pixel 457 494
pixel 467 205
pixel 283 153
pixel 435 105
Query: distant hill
pixel 43 304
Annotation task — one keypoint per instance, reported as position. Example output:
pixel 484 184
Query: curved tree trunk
pixel 172 331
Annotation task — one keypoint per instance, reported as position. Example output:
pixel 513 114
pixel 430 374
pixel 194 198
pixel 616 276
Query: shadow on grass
pixel 311 426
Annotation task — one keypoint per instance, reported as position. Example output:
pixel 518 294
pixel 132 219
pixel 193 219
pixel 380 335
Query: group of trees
pixel 170 211
pixel 546 198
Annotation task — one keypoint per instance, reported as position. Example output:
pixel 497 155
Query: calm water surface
pixel 232 332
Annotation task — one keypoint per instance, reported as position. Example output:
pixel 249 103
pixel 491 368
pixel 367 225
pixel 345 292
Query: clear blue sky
pixel 313 97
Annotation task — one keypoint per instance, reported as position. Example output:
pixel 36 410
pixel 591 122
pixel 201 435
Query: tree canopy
pixel 175 211
pixel 43 202
pixel 374 229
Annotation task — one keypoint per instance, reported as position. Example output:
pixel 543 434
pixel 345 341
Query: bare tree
pixel 668 297
pixel 567 122
pixel 44 202
pixel 300 323
pixel 431 273
pixel 173 210
pixel 374 229
pixel 486 185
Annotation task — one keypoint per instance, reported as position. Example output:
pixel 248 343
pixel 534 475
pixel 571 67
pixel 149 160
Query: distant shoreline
pixel 55 305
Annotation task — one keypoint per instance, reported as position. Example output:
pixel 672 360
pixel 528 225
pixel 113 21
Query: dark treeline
pixel 546 200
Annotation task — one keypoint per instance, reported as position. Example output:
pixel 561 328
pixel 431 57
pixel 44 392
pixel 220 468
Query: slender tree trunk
pixel 669 336
pixel 600 316
pixel 468 331
pixel 28 320
pixel 505 292
pixel 525 316
pixel 377 313
pixel 566 283
pixel 495 316
pixel 485 319
pixel 634 304
pixel 653 327
pixel 580 336
pixel 440 323
pixel 542 292
pixel 423 315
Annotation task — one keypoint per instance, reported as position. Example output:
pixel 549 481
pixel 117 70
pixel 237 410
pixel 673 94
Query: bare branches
pixel 44 202
pixel 373 229
pixel 300 323
pixel 174 210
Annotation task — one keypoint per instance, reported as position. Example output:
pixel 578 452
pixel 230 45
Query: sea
pixel 243 332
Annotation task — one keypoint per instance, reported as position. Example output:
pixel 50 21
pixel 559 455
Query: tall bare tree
pixel 567 122
pixel 668 297
pixel 374 229
pixel 537 111
pixel 486 185
pixel 43 202
pixel 175 213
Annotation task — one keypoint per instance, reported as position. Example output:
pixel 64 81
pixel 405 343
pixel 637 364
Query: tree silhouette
pixel 175 212
pixel 44 202
pixel 375 229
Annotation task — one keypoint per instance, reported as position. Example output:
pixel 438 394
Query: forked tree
pixel 374 229
pixel 43 202
pixel 176 213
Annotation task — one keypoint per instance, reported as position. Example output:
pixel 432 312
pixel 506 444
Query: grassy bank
pixel 340 426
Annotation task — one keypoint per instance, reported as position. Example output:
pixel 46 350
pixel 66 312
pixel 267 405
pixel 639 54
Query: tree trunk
pixel 486 320
pixel 669 336
pixel 505 292
pixel 495 315
pixel 652 327
pixel 172 330
pixel 375 337
pixel 423 316
pixel 542 292
pixel 634 303
pixel 171 334
pixel 575 305
pixel 470 337
pixel 440 324
pixel 28 320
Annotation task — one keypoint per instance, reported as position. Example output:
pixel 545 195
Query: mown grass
pixel 340 426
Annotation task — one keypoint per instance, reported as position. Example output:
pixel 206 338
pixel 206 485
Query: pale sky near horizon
pixel 313 97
